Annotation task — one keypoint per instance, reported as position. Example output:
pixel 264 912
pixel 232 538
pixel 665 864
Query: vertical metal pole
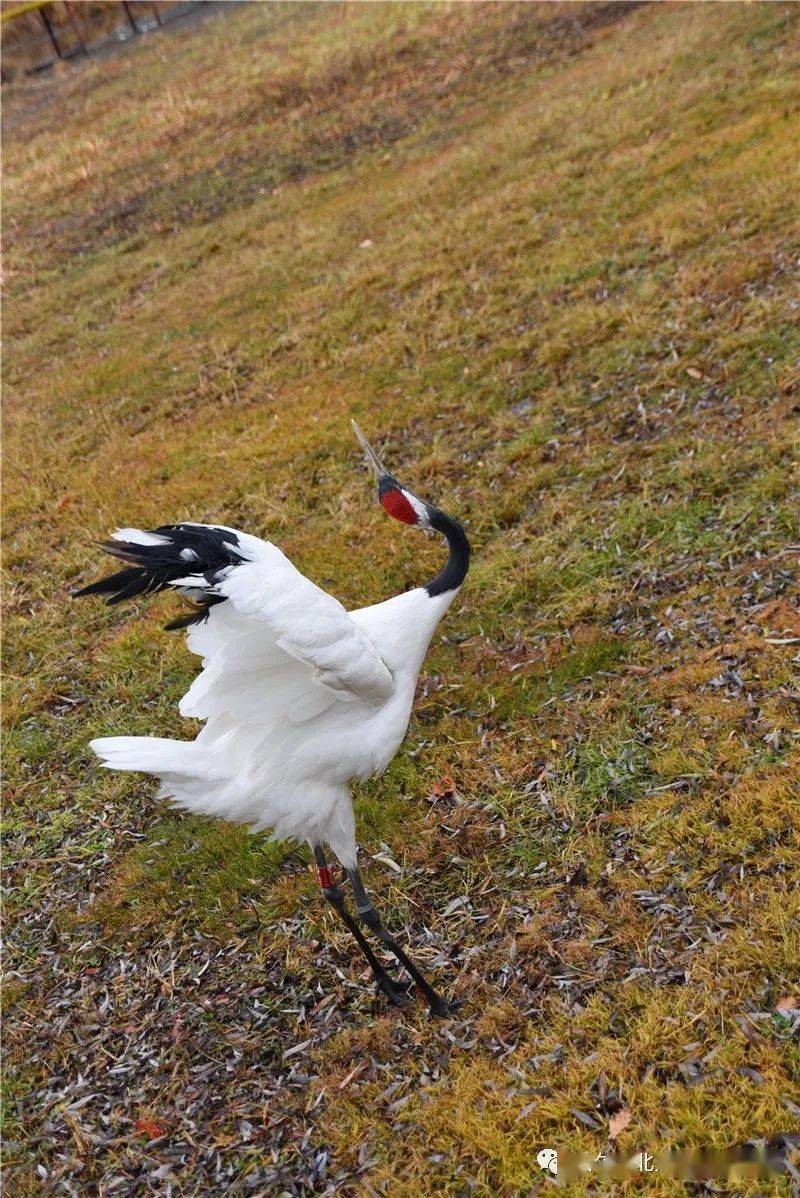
pixel 75 26
pixel 50 32
pixel 129 15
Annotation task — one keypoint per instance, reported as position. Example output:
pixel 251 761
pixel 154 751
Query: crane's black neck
pixel 454 573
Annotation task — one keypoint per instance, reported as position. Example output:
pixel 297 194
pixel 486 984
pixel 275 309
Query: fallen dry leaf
pixel 445 789
pixel 150 1128
pixel 781 616
pixel 356 1069
pixel 785 1006
pixel 694 373
pixel 619 1122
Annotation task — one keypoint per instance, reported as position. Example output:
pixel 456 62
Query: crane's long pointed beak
pixel 371 456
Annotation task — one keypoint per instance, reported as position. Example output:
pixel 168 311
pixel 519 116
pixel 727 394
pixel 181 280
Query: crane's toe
pixel 444 1009
pixel 400 994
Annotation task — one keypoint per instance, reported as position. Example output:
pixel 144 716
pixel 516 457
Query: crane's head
pixel 393 496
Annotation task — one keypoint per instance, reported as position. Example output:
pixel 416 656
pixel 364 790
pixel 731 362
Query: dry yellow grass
pixel 575 328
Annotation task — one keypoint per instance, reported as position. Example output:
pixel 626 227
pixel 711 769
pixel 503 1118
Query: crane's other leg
pixel 334 894
pixel 367 913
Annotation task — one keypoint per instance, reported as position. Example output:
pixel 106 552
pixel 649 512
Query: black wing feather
pixel 154 567
pixel 108 586
pixel 194 617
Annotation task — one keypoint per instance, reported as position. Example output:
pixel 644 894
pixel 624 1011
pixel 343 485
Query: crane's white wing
pixel 247 678
pixel 274 617
pixel 274 645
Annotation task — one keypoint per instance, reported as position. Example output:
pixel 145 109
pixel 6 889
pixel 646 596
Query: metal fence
pixel 38 34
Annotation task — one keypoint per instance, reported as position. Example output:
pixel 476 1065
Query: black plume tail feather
pixel 108 586
pixel 182 549
pixel 194 617
pixel 122 550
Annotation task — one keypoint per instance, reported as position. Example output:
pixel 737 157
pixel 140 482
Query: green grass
pixel 575 329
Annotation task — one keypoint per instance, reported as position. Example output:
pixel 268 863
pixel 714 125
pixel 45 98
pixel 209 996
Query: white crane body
pixel 280 747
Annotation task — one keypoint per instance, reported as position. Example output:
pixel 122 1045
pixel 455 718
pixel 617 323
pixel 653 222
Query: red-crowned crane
pixel 299 696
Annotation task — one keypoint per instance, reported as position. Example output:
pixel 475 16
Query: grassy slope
pixel 574 328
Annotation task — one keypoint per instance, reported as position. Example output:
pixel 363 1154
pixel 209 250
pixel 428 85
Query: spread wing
pixel 264 630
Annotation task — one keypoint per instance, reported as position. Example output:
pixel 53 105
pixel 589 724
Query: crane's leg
pixel 366 912
pixel 394 991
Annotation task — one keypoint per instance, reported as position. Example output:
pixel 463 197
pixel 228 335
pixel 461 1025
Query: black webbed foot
pixel 399 994
pixel 443 1008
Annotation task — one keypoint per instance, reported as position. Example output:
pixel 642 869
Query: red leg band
pixel 326 879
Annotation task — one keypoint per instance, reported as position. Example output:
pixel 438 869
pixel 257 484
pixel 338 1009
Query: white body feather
pixel 299 698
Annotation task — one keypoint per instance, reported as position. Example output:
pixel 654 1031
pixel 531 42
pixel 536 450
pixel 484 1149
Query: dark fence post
pixel 50 31
pixel 75 26
pixel 130 16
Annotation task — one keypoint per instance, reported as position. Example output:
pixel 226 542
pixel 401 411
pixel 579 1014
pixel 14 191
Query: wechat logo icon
pixel 547 1159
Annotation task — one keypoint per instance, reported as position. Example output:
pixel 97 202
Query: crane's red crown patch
pixel 396 504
